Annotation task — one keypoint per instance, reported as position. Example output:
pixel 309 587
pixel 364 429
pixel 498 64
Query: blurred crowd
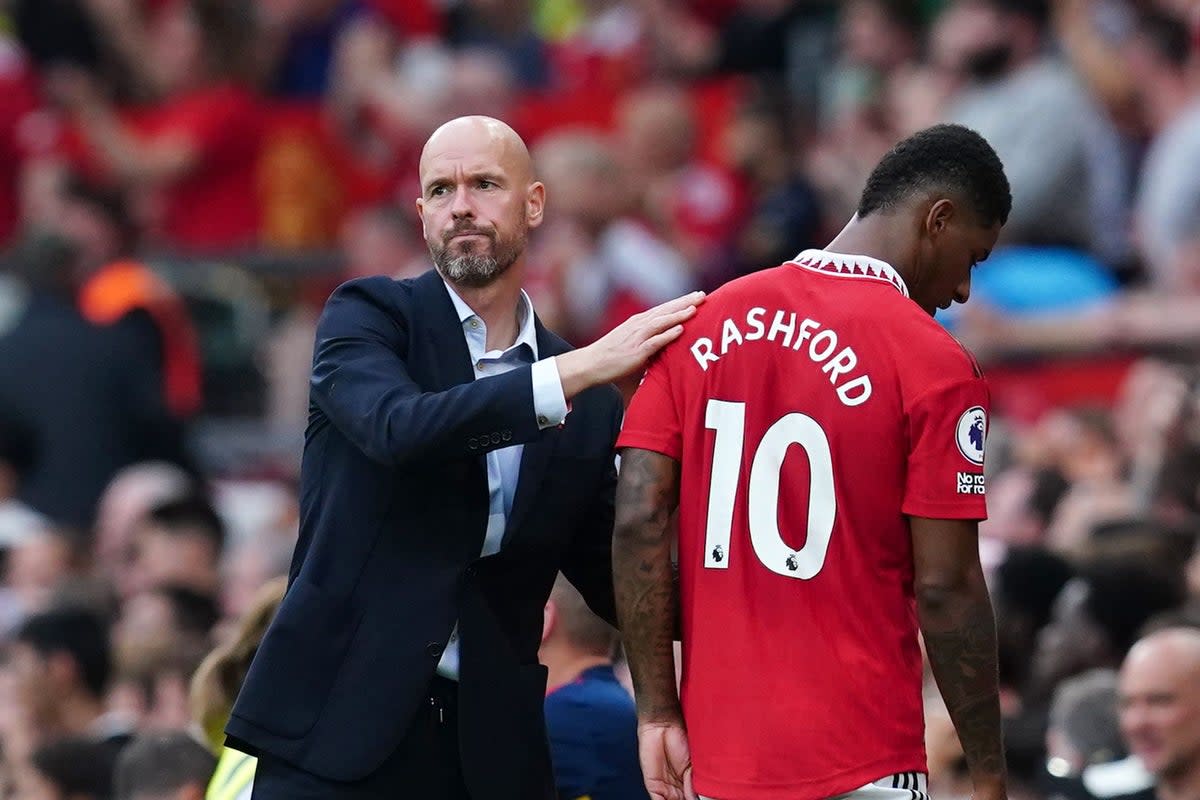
pixel 182 182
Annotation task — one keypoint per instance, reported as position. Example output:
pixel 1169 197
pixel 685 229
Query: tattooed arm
pixel 955 614
pixel 647 607
pixel 647 602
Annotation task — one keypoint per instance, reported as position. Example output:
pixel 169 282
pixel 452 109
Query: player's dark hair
pixel 1167 35
pixel 948 158
pixel 78 633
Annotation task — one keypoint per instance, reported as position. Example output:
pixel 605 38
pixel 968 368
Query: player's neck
pixel 873 237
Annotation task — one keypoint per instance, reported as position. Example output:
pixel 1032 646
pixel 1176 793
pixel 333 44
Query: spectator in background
pixel 91 400
pixel 1098 614
pixel 1160 711
pixel 596 44
pixel 180 542
pixel 62 659
pixel 198 147
pixel 43 563
pixel 590 717
pixel 1024 587
pixel 297 41
pixel 165 618
pixel 878 39
pixel 693 204
pixel 116 289
pixel 72 768
pixel 1053 140
pixel 127 499
pixel 1160 59
pixel 785 214
pixel 163 766
pixel 505 26
pixel 599 265
pixel 1083 727
pixel 216 684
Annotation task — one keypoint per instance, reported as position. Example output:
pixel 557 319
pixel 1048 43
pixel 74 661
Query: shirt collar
pixel 526 332
pixel 851 267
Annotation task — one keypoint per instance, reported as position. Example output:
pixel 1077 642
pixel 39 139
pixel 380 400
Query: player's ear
pixel 939 216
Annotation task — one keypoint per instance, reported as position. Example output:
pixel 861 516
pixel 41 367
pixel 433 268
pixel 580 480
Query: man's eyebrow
pixel 484 174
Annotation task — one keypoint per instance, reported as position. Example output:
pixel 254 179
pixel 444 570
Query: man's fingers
pixel 685 301
pixel 656 343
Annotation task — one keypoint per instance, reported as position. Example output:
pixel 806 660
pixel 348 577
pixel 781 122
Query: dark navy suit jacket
pixel 394 504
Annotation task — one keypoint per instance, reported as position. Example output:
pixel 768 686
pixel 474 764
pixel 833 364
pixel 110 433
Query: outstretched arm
pixel 956 619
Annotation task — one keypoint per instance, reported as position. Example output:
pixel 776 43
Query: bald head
pixel 479 136
pixel 478 200
pixel 1160 702
pixel 1180 646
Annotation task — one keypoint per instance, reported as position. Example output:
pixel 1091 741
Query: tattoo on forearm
pixel 647 600
pixel 962 655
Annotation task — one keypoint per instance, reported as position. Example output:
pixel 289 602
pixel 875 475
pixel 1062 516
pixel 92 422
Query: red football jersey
pixel 812 407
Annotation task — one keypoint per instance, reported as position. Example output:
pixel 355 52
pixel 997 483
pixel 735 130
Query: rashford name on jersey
pixel 853 386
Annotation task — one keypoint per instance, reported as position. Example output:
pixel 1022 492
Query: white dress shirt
pixel 504 464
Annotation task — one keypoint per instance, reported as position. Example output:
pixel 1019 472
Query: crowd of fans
pixel 183 181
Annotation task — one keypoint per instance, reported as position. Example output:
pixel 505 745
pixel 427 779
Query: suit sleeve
pixel 361 382
pixel 588 563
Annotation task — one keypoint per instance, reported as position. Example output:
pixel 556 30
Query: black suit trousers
pixel 426 765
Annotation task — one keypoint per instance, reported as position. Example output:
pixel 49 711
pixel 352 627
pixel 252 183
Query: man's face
pixel 477 204
pixel 186 559
pixel 1160 712
pixel 955 243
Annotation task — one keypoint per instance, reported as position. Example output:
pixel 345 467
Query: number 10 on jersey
pixel 728 419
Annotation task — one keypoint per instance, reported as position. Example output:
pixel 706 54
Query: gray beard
pixel 470 269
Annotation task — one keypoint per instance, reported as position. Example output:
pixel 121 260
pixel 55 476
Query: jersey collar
pixel 851 267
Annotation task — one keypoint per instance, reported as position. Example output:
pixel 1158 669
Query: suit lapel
pixel 446 346
pixel 536 454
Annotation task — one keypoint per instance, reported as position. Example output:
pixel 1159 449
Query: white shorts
pixel 901 786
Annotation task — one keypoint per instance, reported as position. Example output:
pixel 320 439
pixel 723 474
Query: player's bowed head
pixel 932 208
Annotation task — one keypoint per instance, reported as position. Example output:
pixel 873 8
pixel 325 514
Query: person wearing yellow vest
pixel 216 684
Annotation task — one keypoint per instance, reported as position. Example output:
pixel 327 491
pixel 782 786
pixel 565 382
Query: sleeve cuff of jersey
pixel 936 510
pixel 549 403
pixel 646 441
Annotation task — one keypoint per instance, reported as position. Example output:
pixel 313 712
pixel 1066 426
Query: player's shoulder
pixel 921 339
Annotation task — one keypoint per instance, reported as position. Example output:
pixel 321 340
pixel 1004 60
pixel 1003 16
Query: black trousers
pixel 426 765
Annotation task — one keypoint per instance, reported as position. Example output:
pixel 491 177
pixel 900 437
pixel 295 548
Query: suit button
pixel 473 443
pixel 434 650
pixel 495 438
pixel 472 571
pixel 506 436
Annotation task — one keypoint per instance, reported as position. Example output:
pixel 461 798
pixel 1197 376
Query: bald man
pixel 1159 697
pixel 457 456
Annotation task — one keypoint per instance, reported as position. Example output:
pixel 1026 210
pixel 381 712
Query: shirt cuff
pixel 549 403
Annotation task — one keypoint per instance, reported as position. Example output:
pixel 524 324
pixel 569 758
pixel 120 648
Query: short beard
pixel 476 270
